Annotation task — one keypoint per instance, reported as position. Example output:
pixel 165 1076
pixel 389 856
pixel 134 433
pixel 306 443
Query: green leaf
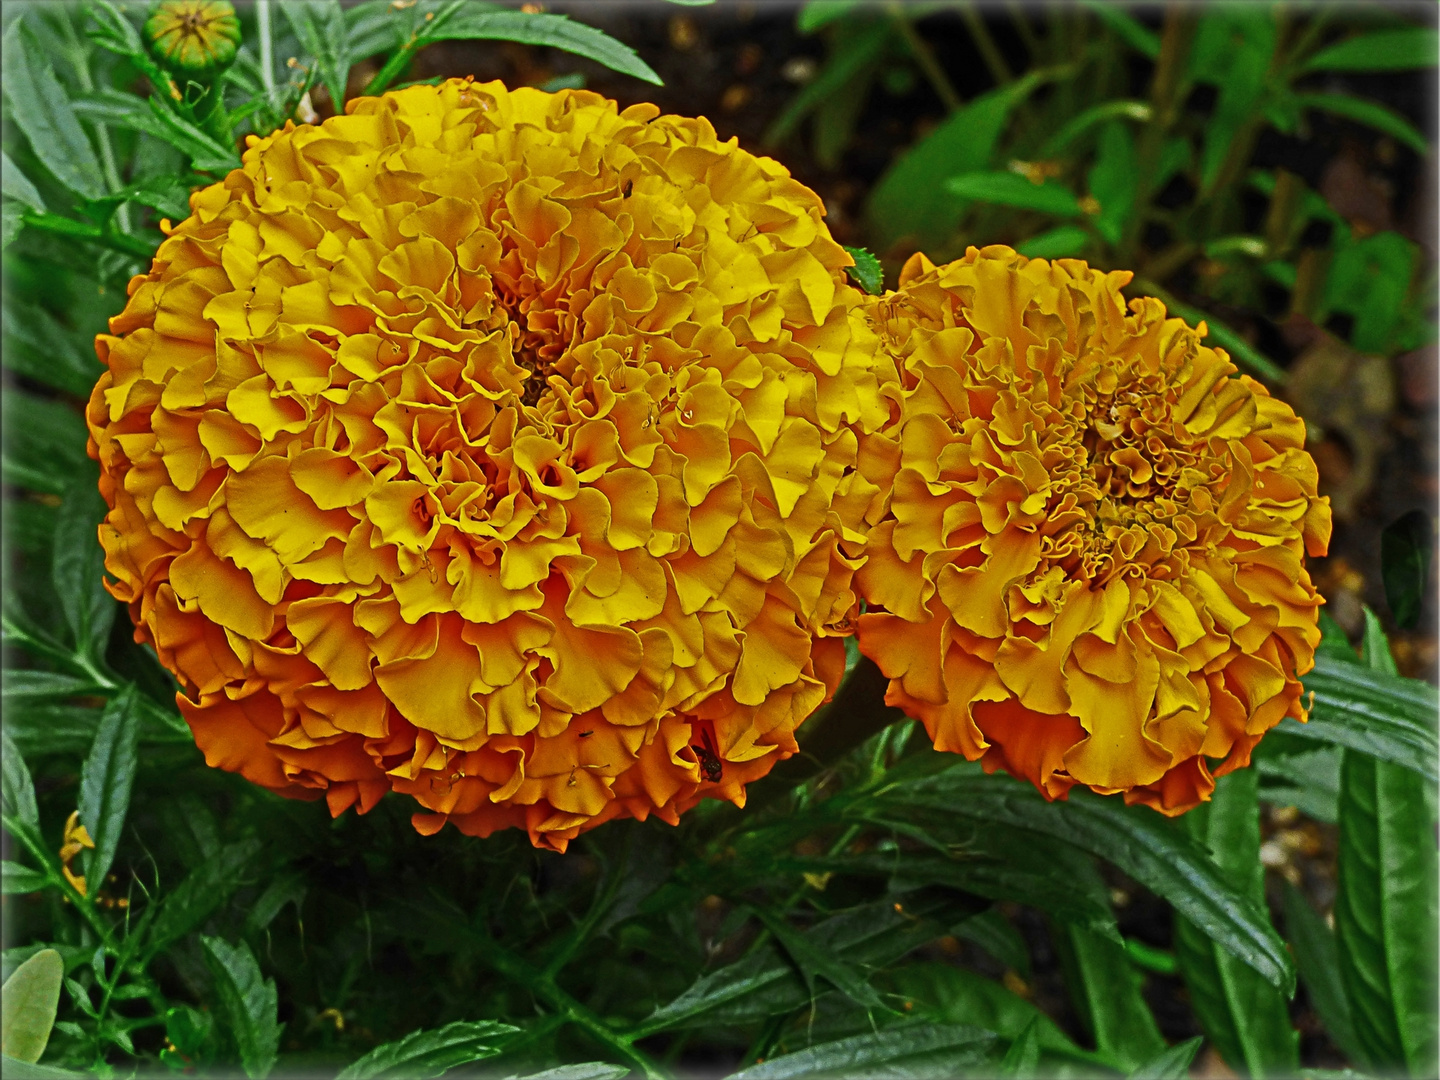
pixel 1233 49
pixel 919 1050
pixel 1023 1057
pixel 41 110
pixel 1126 27
pixel 106 779
pixel 1318 960
pixel 27 1006
pixel 995 934
pixel 1375 648
pixel 1140 842
pixel 852 62
pixel 1113 180
pixel 199 894
pixel 17 880
pixel 1308 780
pixel 1370 279
pixel 1379 50
pixel 556 31
pixel 14 184
pixel 17 796
pixel 1370 113
pixel 1243 1015
pixel 320 26
pixel 39 685
pixel 1385 913
pixel 423 1054
pixel 1061 242
pixel 947 994
pixel 38 347
pixel 14 1069
pixel 815 962
pixel 154 118
pixel 1097 114
pixel 78 569
pixel 1405 547
pixel 1172 1064
pixel 1105 989
pixel 248 1003
pixel 165 194
pixel 44 442
pixel 12 219
pixel 1011 189
pixel 1387 717
pixel 909 199
pixel 818 13
pixel 867 271
pixel 589 1070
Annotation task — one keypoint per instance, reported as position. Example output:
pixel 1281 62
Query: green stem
pixel 393 66
pixel 267 58
pixel 577 936
pixel 95 234
pixel 78 900
pixel 989 51
pixel 926 59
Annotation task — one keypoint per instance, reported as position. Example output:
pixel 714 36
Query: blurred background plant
pixel 877 907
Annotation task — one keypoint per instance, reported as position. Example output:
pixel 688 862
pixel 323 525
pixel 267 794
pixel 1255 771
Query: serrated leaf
pixel 819 963
pixel 867 271
pixel 17 880
pixel 1140 842
pixel 556 31
pixel 1379 50
pixel 423 1054
pixel 78 566
pixel 106 779
pixel 1011 189
pixel 320 26
pixel 41 110
pixel 1405 548
pixel 44 442
pixel 1243 1015
pixel 1171 1064
pixel 28 1002
pixel 920 1050
pixel 17 796
pixel 1385 913
pixel 191 902
pixel 1105 989
pixel 909 199
pixel 247 1001
pixel 1317 958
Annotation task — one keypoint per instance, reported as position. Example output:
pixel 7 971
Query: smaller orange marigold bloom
pixel 1091 567
pixel 495 448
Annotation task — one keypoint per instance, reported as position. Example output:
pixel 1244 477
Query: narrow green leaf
pixel 106 778
pixel 1126 27
pixel 27 1006
pixel 1097 114
pixel 1378 50
pixel 247 1001
pixel 1318 960
pixel 1011 189
pixel 994 933
pixel 1172 1064
pixel 918 1050
pixel 1308 780
pixel 1389 718
pixel 17 880
pixel 1140 842
pixel 909 200
pixel 1370 279
pixel 851 62
pixel 815 962
pixel 44 442
pixel 14 1069
pixel 1105 989
pixel 1385 913
pixel 42 685
pixel 14 184
pixel 556 31
pixel 1405 547
pixel 41 110
pixel 423 1054
pixel 1233 49
pixel 867 271
pixel 1113 180
pixel 818 13
pixel 1370 113
pixel 39 347
pixel 18 789
pixel 155 118
pixel 1061 242
pixel 165 194
pixel 199 894
pixel 320 26
pixel 1023 1058
pixel 78 567
pixel 1243 1015
pixel 588 1070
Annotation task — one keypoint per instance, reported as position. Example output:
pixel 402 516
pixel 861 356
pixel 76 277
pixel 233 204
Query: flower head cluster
pixel 1091 566
pixel 496 448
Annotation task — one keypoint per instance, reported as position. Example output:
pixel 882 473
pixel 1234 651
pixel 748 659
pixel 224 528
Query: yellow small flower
pixel 194 36
pixel 498 448
pixel 1090 569
pixel 75 840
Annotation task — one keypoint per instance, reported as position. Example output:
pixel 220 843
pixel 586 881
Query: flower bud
pixel 194 36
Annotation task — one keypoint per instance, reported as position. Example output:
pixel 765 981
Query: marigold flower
pixel 495 448
pixel 1091 567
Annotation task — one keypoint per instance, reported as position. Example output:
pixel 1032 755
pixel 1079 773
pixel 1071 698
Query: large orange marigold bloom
pixel 1091 568
pixel 495 448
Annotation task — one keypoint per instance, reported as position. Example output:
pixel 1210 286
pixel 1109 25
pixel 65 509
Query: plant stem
pixel 989 52
pixel 926 59
pixel 393 66
pixel 95 234
pixel 267 59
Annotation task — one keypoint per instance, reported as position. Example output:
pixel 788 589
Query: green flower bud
pixel 193 36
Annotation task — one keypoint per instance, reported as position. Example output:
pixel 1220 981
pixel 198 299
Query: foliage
pixel 220 929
